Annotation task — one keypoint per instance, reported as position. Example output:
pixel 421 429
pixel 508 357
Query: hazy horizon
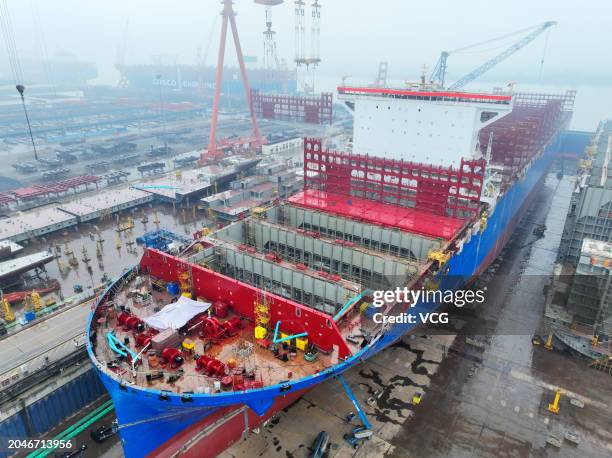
pixel 355 35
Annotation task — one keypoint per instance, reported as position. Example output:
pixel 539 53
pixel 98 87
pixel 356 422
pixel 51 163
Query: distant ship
pixel 199 348
pixel 192 78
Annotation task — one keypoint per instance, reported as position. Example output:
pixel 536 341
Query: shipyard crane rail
pixel 439 72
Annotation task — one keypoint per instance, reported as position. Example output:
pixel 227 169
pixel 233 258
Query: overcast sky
pixel 355 34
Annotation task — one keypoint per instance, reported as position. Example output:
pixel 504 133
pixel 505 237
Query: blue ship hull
pixel 151 419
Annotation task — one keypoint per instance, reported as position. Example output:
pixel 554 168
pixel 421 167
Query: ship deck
pixel 253 362
pixel 382 214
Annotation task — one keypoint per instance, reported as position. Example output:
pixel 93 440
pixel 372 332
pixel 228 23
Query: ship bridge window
pixel 486 115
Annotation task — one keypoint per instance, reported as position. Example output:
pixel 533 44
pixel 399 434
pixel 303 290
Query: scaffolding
pixel 185 281
pixel 262 311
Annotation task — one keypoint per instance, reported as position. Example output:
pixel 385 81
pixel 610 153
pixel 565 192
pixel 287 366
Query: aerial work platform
pixel 387 215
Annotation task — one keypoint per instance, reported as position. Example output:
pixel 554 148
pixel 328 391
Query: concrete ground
pixel 53 337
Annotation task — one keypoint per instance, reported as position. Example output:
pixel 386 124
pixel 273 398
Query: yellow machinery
pixel 483 221
pixel 554 407
pixel 259 212
pixel 9 316
pixel 416 398
pixel 185 282
pixel 36 302
pixel 262 317
pixel 438 255
pixel 549 341
pixel 301 343
pixel 156 218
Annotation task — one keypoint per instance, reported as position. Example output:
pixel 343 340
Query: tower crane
pixel 439 73
pixel 124 82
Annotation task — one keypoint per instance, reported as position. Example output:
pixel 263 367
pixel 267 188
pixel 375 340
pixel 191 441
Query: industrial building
pixel 590 212
pixel 35 223
pixel 185 187
pixel 579 303
pixel 273 179
pixel 105 203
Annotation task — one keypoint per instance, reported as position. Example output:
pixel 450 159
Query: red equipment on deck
pixel 212 328
pixel 144 338
pixel 173 356
pixel 129 322
pixel 220 308
pixel 211 366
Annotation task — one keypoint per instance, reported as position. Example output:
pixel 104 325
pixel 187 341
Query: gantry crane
pixel 439 73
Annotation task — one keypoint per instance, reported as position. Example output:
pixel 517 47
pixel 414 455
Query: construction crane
pixel 214 151
pixel 439 73
pixel 300 35
pixel 124 82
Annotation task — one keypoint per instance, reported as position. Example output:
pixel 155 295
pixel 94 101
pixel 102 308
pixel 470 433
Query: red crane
pixel 214 150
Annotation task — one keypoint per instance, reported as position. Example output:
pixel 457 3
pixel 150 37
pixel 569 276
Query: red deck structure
pixel 5 199
pixel 57 187
pixel 311 109
pixel 381 214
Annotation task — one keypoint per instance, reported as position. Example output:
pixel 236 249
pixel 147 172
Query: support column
pixel 212 143
pixel 245 81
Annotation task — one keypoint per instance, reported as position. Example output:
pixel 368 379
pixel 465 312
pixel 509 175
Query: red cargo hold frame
pixel 443 191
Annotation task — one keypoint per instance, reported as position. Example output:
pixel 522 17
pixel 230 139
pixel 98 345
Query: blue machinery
pixel 360 432
pixel 349 303
pixel 119 347
pixel 161 239
pixel 275 339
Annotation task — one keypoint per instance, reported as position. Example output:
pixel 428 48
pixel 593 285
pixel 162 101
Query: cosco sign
pixel 161 82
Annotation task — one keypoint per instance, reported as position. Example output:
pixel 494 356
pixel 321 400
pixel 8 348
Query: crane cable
pixel 43 55
pixel 543 55
pixel 9 39
pixel 493 40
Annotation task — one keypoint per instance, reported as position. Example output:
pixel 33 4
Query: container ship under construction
pixel 199 347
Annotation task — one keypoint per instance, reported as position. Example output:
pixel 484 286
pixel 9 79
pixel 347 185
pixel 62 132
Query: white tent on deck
pixel 177 314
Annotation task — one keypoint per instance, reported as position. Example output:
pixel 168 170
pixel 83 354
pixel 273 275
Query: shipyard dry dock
pixel 485 392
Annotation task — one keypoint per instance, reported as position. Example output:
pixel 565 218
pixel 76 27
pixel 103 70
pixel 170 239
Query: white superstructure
pixel 421 125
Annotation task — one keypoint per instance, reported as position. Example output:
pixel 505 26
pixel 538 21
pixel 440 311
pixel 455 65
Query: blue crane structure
pixel 439 73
